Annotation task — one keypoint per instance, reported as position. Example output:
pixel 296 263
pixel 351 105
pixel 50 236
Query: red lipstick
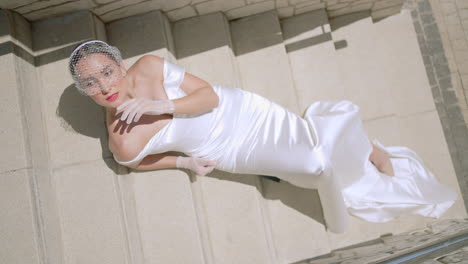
pixel 112 97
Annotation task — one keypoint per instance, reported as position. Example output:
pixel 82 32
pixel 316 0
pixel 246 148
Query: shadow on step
pixel 304 201
pixel 80 114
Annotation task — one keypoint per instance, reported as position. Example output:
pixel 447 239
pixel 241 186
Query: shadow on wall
pixel 80 114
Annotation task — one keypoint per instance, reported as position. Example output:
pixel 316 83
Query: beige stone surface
pixel 237 230
pixel 312 58
pixel 166 217
pixel 13 141
pixel 18 243
pixel 217 5
pixel 109 10
pixel 184 12
pixel 204 48
pixel 250 9
pixel 363 79
pixel 265 69
pixel 263 63
pixel 63 8
pixel 297 223
pixel 451 21
pixel 90 213
pixel 73 138
pixel 433 151
pixel 228 204
pixel 384 79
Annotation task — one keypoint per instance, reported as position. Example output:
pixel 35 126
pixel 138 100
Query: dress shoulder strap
pixel 173 77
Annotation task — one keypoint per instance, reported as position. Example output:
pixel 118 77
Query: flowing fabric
pixel 327 149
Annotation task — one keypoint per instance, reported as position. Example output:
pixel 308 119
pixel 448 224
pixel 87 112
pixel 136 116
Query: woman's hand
pixel 198 165
pixel 134 108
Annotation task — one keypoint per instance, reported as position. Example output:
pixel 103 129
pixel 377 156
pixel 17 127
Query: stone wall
pixel 442 32
pixel 390 247
pixel 109 10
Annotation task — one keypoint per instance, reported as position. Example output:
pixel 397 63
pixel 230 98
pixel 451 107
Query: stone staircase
pixel 67 201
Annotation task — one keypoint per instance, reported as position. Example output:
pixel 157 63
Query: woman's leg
pixel 381 160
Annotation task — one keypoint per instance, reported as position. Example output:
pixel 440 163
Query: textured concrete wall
pixel 390 246
pixel 108 10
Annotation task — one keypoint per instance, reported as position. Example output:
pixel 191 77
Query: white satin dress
pixel 327 150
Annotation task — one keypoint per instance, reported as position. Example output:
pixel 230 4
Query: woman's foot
pixel 381 160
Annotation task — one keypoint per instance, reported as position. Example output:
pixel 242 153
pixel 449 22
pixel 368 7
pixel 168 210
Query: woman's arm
pixel 167 161
pixel 200 95
pixel 155 161
pixel 201 100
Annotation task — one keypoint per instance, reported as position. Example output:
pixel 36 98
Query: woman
pixel 155 107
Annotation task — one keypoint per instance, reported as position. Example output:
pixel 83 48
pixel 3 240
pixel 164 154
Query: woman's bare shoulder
pixel 150 65
pixel 124 148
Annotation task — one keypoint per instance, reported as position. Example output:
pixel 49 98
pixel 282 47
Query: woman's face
pixel 103 79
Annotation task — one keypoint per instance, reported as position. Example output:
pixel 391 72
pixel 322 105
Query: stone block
pixel 167 220
pixel 461 4
pixel 249 10
pixel 387 3
pixel 123 9
pixel 312 58
pixel 305 3
pixel 74 123
pixel 440 58
pixel 91 214
pixel 36 5
pixel 133 9
pixel 334 7
pixel 431 31
pixel 14 155
pixel 115 5
pixel 427 19
pixel 297 223
pixel 446 83
pixel 235 218
pixel 366 84
pixel 385 12
pixel 135 36
pixel 435 156
pixel 308 8
pixel 284 12
pixel 360 7
pixel 59 9
pixel 12 4
pixel 203 47
pixel 217 6
pixel 442 71
pixel 19 243
pixel 181 13
pixel 262 58
pixel 424 7
pixel 281 3
pixel 102 2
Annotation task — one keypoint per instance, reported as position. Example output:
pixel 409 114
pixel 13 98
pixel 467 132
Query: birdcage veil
pixel 88 86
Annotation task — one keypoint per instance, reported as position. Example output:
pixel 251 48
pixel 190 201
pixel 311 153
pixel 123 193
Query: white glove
pixel 198 165
pixel 134 108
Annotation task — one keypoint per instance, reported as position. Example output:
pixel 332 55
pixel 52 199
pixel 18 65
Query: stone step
pixel 383 72
pixel 18 227
pixel 317 77
pixel 312 55
pixel 164 218
pixel 83 176
pixel 265 69
pixel 262 59
pixel 229 205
